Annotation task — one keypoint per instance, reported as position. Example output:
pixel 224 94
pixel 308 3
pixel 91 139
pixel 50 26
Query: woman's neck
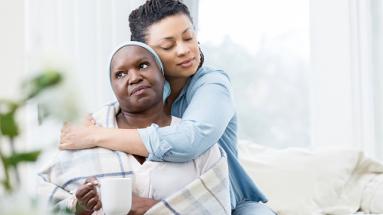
pixel 176 86
pixel 143 119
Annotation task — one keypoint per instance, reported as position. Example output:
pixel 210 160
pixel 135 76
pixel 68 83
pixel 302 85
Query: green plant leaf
pixel 15 159
pixel 8 125
pixel 46 79
pixel 6 185
pixel 7 105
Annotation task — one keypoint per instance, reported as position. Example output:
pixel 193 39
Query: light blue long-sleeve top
pixel 208 116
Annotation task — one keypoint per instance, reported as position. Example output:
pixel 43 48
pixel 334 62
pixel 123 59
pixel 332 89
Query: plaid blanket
pixel 208 194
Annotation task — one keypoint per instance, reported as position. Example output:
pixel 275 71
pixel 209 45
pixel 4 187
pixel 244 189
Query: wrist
pixel 99 138
pixel 81 210
pixel 150 203
pixel 154 202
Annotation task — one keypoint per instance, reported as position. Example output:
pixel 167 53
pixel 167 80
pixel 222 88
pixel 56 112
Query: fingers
pixel 87 195
pixel 64 135
pixel 92 180
pixel 92 194
pixel 91 203
pixel 94 201
pixel 89 121
pixel 83 190
pixel 67 146
pixel 68 137
pixel 63 146
pixel 77 137
pixel 98 205
pixel 65 127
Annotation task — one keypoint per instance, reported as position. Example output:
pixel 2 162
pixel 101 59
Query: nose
pixel 134 77
pixel 182 49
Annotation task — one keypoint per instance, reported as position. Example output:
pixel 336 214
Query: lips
pixel 138 90
pixel 186 63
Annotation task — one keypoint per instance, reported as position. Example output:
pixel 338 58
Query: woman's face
pixel 174 39
pixel 136 79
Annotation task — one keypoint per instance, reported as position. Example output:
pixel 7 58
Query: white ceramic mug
pixel 116 195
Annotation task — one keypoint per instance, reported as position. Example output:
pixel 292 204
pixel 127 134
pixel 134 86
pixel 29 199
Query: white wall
pixel 12 43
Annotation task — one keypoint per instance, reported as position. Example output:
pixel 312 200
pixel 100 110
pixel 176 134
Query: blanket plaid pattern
pixel 208 194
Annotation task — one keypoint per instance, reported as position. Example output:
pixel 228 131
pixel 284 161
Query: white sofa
pixel 308 182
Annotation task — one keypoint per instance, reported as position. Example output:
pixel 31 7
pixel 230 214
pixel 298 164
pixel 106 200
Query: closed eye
pixel 188 39
pixel 167 48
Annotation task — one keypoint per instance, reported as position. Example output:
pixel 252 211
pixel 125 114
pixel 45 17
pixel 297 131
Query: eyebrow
pixel 139 59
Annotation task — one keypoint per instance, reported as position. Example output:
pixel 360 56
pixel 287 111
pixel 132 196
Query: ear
pixel 166 91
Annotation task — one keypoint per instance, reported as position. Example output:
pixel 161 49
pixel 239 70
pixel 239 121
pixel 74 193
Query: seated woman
pixel 136 75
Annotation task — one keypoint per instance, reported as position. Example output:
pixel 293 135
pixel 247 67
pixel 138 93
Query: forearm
pixel 126 140
pixel 199 128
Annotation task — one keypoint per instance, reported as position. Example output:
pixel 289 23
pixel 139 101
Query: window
pixel 264 47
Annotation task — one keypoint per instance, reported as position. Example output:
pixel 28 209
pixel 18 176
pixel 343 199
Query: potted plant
pixel 10 157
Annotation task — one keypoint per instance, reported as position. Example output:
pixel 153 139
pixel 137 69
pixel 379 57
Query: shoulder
pixel 105 116
pixel 208 75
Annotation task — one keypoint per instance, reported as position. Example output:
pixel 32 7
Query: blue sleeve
pixel 209 111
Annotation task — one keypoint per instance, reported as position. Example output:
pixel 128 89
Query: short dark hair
pixel 151 12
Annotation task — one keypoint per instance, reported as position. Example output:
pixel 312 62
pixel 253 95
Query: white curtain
pixel 377 54
pixel 344 89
